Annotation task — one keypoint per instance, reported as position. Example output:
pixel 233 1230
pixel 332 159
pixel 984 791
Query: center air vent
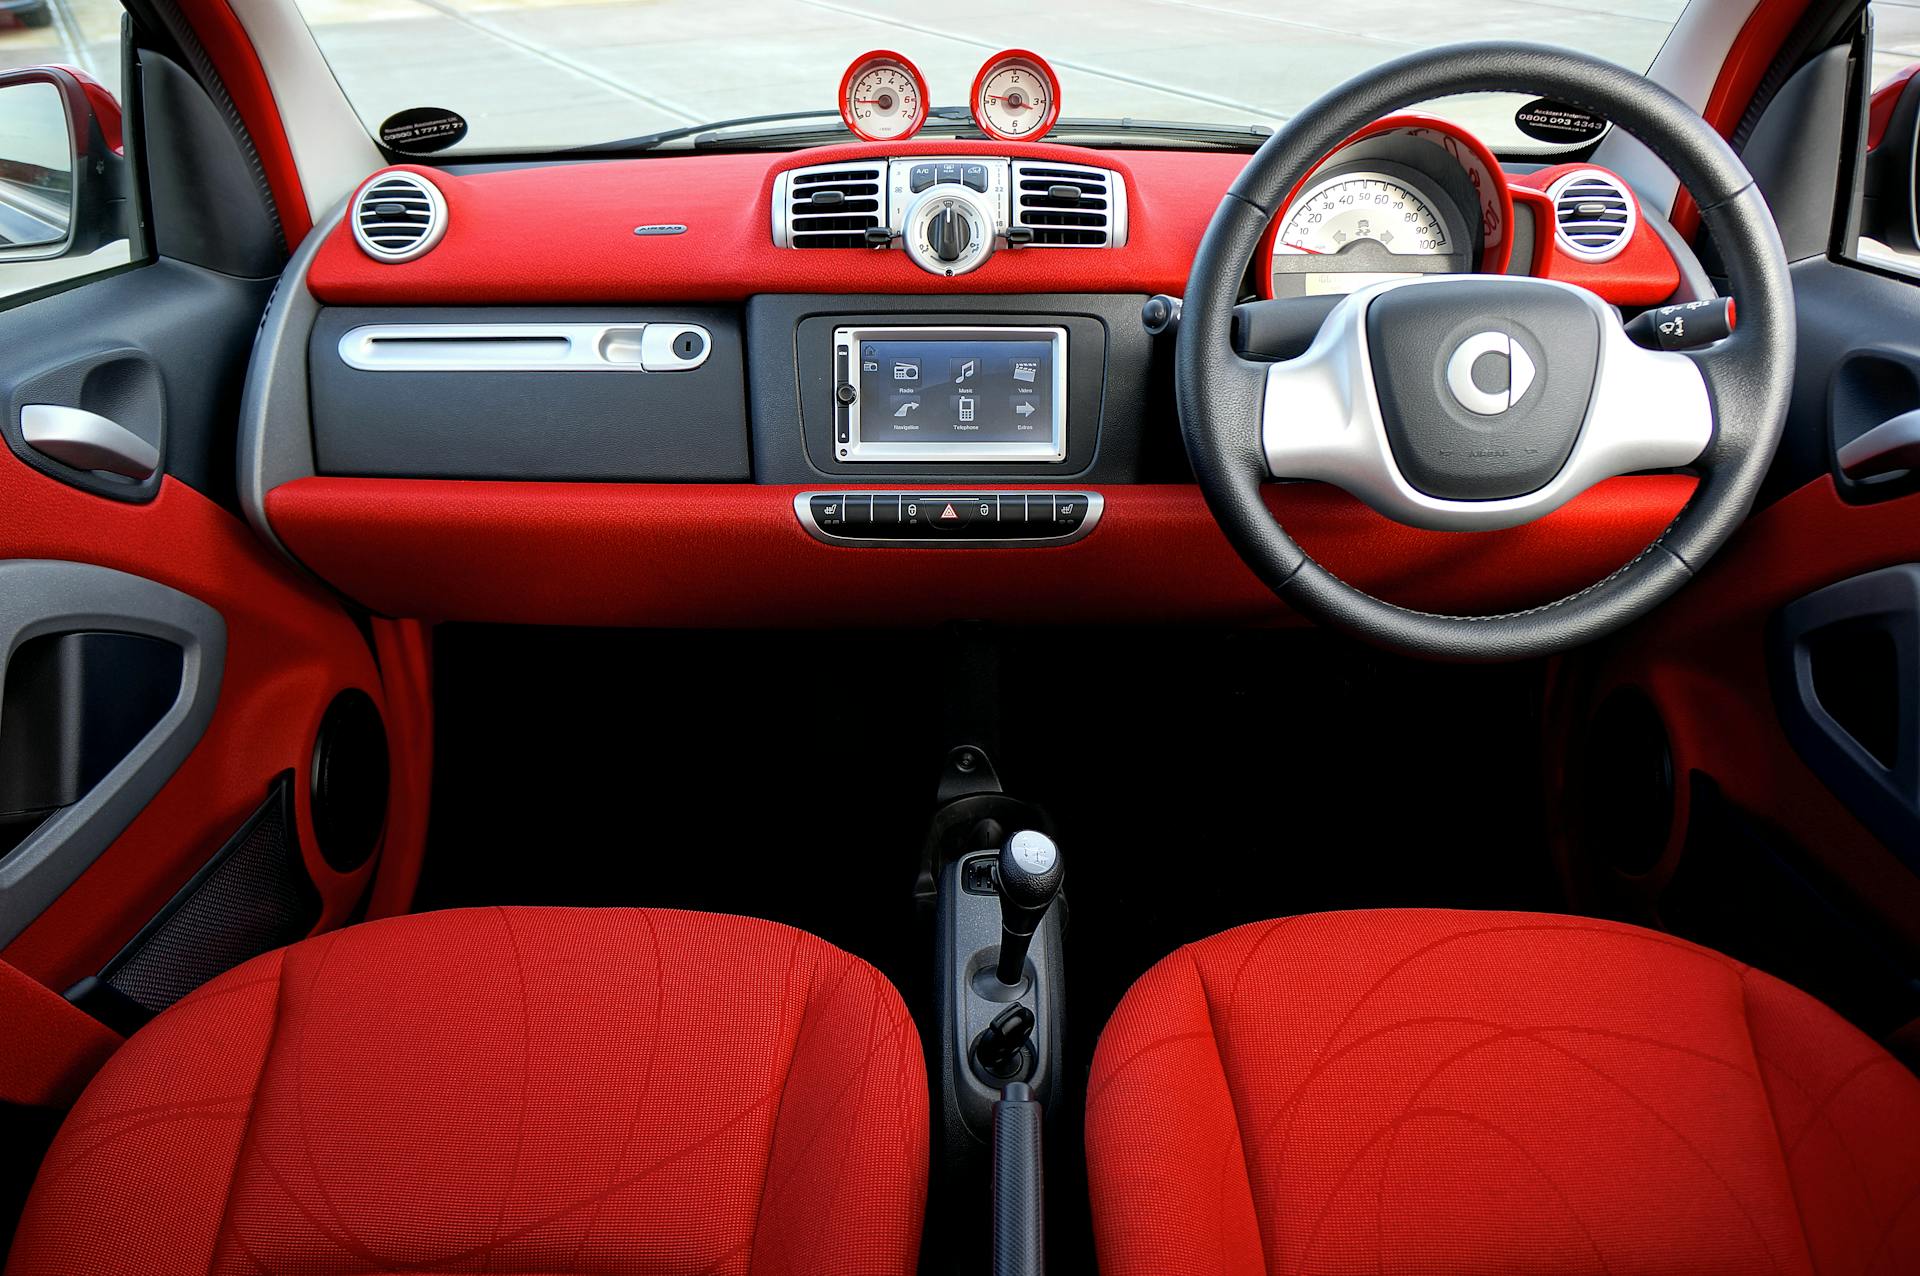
pixel 399 217
pixel 1593 214
pixel 1069 205
pixel 829 206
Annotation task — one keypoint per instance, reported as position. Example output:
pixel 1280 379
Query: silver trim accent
pixel 519 347
pixel 276 431
pixel 87 441
pixel 971 204
pixel 786 181
pixel 1001 195
pixel 846 342
pixel 427 192
pixel 803 509
pixel 41 597
pixel 1889 447
pixel 1115 229
pixel 1321 418
pixel 1621 232
pixel 1460 373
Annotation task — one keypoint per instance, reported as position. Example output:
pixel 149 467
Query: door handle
pixel 87 441
pixel 1887 447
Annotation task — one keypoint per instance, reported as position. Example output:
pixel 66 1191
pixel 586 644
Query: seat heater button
pixel 829 512
pixel 1069 511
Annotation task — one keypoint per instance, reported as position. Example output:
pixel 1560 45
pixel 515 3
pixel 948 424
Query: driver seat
pixel 1435 1091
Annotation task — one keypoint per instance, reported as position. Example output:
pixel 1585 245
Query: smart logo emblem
pixel 1488 373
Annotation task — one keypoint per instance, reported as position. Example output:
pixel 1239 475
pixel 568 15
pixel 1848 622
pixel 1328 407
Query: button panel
pixel 933 519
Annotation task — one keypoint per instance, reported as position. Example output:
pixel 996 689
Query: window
pixel 66 189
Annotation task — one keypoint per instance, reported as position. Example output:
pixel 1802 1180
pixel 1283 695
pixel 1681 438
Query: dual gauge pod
pixel 1016 97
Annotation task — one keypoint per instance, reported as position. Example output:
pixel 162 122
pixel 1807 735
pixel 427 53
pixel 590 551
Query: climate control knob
pixel 949 230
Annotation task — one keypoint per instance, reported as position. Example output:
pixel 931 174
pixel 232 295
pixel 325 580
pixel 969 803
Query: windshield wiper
pixel 959 123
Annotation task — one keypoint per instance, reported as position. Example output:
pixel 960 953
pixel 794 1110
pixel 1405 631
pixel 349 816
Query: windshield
pixel 546 75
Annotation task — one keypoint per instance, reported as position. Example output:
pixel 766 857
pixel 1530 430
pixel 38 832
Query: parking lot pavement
pixel 539 72
pixel 528 73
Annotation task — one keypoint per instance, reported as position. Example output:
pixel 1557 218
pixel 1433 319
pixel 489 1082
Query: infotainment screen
pixel 930 394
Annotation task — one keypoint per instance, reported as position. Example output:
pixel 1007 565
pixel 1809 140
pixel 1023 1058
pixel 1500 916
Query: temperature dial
pixel 883 97
pixel 949 230
pixel 1016 96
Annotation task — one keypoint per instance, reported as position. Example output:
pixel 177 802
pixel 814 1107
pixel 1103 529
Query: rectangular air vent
pixel 830 205
pixel 1069 205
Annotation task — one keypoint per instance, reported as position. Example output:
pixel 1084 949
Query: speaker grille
pixel 252 897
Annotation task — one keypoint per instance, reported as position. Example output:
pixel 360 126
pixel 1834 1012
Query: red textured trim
pixel 977 102
pixel 290 650
pixel 1885 98
pixel 1644 274
pixel 50 1048
pixel 1702 660
pixel 405 648
pixel 1752 52
pixel 693 555
pixel 221 34
pixel 728 254
pixel 1496 212
pixel 866 60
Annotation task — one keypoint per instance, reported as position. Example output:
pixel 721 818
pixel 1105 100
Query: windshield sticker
pixel 1546 120
pixel 420 130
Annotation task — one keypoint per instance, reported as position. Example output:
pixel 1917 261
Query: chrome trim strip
pixel 518 347
pixel 803 509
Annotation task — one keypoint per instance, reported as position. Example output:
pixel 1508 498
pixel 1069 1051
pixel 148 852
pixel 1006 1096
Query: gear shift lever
pixel 1030 873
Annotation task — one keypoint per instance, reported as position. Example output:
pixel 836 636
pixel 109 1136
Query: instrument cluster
pixel 1015 97
pixel 1409 194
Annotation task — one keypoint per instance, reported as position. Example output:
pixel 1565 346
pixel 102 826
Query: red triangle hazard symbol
pixel 948 513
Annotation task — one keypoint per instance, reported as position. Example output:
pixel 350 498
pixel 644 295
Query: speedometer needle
pixel 1302 248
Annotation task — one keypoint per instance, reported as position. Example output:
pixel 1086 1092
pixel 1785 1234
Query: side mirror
pixel 63 183
pixel 1889 200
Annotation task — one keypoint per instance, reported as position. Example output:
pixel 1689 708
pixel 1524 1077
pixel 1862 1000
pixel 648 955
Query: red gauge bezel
pixel 860 64
pixel 1494 258
pixel 977 107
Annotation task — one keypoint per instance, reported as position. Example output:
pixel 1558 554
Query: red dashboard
pixel 726 550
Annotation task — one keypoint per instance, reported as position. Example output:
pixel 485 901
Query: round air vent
pixel 399 217
pixel 1593 214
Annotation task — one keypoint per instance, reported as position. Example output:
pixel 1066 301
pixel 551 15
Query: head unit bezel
pixel 851 448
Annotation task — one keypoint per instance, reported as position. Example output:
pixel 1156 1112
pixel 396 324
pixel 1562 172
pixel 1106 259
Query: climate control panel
pixel 934 519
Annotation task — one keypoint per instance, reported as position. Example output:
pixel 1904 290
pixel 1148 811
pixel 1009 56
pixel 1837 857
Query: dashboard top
pixel 695 228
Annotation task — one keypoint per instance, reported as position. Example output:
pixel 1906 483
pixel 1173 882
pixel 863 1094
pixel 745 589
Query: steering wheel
pixel 1397 401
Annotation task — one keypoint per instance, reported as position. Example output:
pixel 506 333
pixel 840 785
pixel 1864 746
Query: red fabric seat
pixel 1395 1092
pixel 509 1090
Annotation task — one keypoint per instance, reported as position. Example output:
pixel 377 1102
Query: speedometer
pixel 1362 208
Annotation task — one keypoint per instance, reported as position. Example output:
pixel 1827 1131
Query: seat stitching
pixel 786 1079
pixel 1773 1119
pixel 247 1128
pixel 526 1067
pixel 1325 1054
pixel 1158 1043
pixel 645 1090
pixel 1408 1117
pixel 1233 1104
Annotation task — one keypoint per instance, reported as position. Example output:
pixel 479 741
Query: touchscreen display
pixel 956 391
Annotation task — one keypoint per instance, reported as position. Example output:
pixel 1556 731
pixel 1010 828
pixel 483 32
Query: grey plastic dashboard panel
pixel 276 427
pixel 41 597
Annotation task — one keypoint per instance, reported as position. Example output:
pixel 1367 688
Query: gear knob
pixel 1031 869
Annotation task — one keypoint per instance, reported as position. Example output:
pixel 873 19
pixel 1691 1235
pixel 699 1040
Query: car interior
pixel 1210 638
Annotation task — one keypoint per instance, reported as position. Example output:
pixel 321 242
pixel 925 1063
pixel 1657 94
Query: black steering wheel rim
pixel 1748 376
